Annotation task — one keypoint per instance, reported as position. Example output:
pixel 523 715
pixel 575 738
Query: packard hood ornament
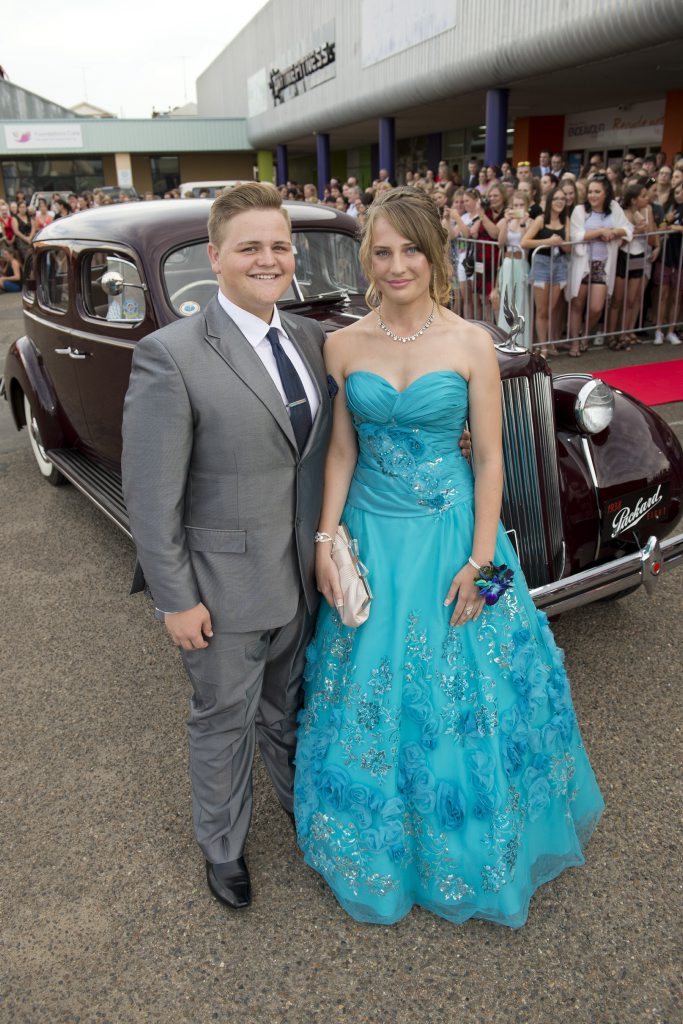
pixel 515 322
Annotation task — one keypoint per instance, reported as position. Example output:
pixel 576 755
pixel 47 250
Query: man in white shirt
pixel 543 164
pixel 226 425
pixel 557 164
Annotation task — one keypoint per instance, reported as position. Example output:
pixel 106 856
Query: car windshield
pixel 327 266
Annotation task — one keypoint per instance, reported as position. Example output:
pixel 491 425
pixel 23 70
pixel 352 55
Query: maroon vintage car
pixel 593 478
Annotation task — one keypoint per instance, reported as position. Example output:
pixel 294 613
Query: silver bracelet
pixel 322 538
pixel 474 564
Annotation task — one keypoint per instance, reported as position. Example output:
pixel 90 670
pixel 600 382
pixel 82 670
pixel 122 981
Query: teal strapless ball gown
pixel 435 766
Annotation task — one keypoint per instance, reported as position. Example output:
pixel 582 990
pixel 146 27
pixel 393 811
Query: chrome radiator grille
pixel 531 488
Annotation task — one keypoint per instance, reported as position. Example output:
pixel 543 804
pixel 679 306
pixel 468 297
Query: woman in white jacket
pixel 598 228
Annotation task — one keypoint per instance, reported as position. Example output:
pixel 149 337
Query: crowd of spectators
pixel 20 223
pixel 593 254
pixel 606 243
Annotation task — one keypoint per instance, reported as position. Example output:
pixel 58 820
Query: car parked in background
pixel 593 478
pixel 203 189
pixel 115 192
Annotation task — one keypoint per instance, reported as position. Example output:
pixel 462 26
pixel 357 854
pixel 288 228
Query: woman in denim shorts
pixel 549 235
pixel 629 280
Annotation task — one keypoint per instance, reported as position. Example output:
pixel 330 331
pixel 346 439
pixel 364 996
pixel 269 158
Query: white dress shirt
pixel 255 331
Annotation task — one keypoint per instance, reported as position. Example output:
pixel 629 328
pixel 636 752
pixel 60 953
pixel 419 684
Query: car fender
pixel 580 505
pixel 617 466
pixel 26 376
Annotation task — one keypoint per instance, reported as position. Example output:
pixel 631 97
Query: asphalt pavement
pixel 105 913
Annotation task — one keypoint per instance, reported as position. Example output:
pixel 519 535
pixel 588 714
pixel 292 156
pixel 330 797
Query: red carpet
pixel 651 383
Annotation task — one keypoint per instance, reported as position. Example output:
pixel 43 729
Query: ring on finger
pixel 469 609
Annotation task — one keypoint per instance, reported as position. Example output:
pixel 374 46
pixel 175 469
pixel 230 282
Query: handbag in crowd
pixel 352 575
pixel 468 260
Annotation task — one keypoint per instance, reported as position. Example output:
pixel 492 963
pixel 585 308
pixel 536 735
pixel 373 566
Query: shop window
pixel 112 289
pixel 165 173
pixel 44 174
pixel 54 280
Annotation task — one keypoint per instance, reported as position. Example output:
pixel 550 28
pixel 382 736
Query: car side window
pixel 28 287
pixel 54 280
pixel 189 280
pixel 112 289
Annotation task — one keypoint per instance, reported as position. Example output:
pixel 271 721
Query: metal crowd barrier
pixel 480 296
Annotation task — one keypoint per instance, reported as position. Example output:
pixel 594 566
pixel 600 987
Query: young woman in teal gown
pixel 439 760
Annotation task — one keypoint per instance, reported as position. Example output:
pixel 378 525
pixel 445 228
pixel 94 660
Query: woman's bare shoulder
pixel 476 337
pixel 477 347
pixel 468 332
pixel 341 344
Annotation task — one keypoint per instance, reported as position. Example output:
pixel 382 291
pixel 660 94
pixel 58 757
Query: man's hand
pixel 465 443
pixel 190 628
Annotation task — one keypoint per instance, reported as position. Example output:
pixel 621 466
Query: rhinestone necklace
pixel 412 337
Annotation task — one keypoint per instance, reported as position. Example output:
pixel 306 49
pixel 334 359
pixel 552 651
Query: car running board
pixel 99 483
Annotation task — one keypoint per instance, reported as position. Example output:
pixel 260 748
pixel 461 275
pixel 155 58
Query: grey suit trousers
pixel 246 687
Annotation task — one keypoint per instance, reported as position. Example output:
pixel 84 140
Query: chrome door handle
pixel 72 353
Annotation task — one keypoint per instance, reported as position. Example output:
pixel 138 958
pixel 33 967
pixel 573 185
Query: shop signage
pixel 285 84
pixel 638 124
pixel 392 26
pixel 43 137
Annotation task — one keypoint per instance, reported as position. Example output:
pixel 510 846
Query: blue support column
pixel 374 160
pixel 322 148
pixel 495 149
pixel 387 145
pixel 282 165
pixel 434 150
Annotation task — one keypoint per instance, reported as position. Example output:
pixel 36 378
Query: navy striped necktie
pixel 297 403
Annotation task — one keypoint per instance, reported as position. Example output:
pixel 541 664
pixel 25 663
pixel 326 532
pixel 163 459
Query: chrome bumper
pixel 625 573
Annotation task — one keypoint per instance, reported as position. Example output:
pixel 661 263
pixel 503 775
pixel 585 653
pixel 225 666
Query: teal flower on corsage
pixel 493 581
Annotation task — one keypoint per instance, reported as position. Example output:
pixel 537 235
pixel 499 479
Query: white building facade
pixel 347 88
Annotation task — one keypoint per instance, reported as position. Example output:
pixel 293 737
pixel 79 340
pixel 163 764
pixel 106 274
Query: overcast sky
pixel 121 56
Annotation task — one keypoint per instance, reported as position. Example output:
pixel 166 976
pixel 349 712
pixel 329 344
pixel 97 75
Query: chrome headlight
pixel 594 407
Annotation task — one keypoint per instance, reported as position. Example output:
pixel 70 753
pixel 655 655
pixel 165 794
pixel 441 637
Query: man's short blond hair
pixel 251 195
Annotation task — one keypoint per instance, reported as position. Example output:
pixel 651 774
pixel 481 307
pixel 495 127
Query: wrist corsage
pixel 493 581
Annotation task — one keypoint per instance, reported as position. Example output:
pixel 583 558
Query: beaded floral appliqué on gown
pixel 435 766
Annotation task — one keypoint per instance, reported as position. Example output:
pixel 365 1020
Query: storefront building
pixel 149 155
pixel 342 89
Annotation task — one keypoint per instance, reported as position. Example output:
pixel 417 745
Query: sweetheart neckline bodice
pixel 417 380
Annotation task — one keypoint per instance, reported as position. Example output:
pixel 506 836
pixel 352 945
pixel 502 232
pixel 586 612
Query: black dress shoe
pixel 292 820
pixel 229 882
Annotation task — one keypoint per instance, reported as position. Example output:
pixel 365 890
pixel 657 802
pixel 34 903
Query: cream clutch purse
pixel 352 575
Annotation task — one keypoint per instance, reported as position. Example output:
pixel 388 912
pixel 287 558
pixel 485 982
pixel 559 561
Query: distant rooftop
pixel 86 109
pixel 20 104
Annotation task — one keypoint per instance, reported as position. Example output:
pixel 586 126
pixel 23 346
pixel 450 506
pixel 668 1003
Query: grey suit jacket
pixel 222 507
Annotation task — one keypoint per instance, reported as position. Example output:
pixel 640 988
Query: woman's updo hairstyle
pixel 415 216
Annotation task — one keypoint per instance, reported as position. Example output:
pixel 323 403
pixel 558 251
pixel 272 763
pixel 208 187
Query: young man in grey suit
pixel 226 424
